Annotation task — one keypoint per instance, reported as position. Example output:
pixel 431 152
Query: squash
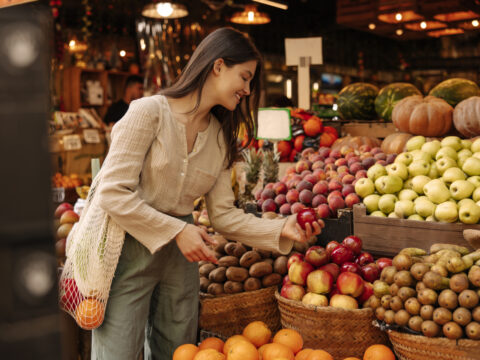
pixel 466 117
pixel 395 143
pixel 455 90
pixel 355 142
pixel 429 116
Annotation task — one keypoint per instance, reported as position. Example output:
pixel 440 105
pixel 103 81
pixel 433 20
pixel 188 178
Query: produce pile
pixel 433 181
pixel 435 294
pixel 66 181
pixel 65 218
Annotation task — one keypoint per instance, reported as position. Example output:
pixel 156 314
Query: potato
pixel 276 254
pixel 280 265
pixel 228 261
pixel 235 273
pixel 252 284
pixel 230 248
pixel 215 289
pixel 203 262
pixel 270 261
pixel 204 283
pixel 260 269
pixel 204 270
pixel 218 275
pixel 221 242
pixel 249 258
pixel 265 254
pixel 239 250
pixel 271 279
pixel 232 287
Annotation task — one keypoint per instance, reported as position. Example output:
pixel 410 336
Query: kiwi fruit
pixel 476 314
pixel 389 317
pixel 396 303
pixel 427 296
pixel 412 306
pixel 402 317
pixel 448 299
pixel 452 330
pixel 402 262
pixel 468 299
pixel 462 316
pixel 430 328
pixel 415 323
pixel 420 285
pixel 380 313
pixel 459 282
pixel 403 278
pixel 394 289
pixel 405 293
pixel 385 301
pixel 387 274
pixel 426 312
pixel 418 270
pixel 442 316
pixel 472 330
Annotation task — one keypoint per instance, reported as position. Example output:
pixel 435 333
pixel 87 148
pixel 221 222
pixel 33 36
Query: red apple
pixel 298 272
pixel 319 282
pixel 70 296
pixel 351 267
pixel 343 302
pixel 350 284
pixel 332 245
pixel 305 216
pixel 351 199
pixel 354 243
pixel 316 255
pixel 286 280
pixel 295 257
pixel 342 254
pixel 323 211
pixel 366 293
pixel 364 258
pixel 292 292
pixel 332 268
pixel 370 272
pixel 334 193
pixel 61 209
pixel 383 263
pixel 69 217
pixel 334 291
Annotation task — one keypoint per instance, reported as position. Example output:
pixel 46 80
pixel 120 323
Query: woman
pixel 166 151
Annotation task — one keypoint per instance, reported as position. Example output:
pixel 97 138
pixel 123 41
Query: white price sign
pixel 72 142
pixel 91 136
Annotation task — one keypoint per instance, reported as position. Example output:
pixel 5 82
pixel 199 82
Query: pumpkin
pixel 390 95
pixel 395 143
pixel 466 117
pixel 357 101
pixel 355 142
pixel 455 90
pixel 429 116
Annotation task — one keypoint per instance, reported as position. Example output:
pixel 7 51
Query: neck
pixel 183 106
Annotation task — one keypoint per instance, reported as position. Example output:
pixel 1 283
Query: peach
pixel 64 230
pixel 320 188
pixel 280 188
pixel 311 179
pixel 296 207
pixel 348 179
pixel 61 209
pixel 280 199
pixel 318 200
pixel 356 166
pixel 267 193
pixel 292 196
pixel 269 205
pixel 301 166
pixel 320 174
pixel 305 196
pixel 69 217
pixel 351 199
pixel 347 189
pixel 285 209
pixel 302 185
pixel 323 211
pixel 334 185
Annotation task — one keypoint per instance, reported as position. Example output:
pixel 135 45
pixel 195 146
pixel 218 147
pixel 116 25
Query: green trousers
pixel 153 304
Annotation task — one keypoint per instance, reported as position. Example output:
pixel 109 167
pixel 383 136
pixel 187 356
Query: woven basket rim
pixel 206 296
pixel 329 309
pixel 440 341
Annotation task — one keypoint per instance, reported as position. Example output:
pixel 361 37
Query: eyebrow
pixel 250 73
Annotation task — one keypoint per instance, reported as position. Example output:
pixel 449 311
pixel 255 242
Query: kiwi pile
pixel 436 294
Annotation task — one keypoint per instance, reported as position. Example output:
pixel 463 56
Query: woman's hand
pixel 293 231
pixel 191 242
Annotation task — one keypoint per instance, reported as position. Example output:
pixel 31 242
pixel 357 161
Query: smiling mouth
pixel 238 98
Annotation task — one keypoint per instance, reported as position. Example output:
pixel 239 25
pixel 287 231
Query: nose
pixel 246 89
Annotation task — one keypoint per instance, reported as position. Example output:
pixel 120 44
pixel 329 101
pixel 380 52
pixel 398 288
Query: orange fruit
pixel 351 358
pixel 319 355
pixel 209 354
pixel 258 333
pixel 378 352
pixel 89 314
pixel 274 351
pixel 232 340
pixel 185 352
pixel 243 350
pixel 284 148
pixel 303 354
pixel 312 127
pixel 290 338
pixel 212 343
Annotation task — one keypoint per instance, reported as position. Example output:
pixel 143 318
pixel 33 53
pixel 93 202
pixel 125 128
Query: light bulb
pixel 165 9
pixel 475 23
pixel 122 53
pixel 399 32
pixel 251 15
pixel 372 26
pixel 71 44
pixel 423 24
pixel 398 16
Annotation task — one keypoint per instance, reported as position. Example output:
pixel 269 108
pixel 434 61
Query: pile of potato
pixel 240 268
pixel 435 294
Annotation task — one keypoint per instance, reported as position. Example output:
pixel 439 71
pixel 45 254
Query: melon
pixel 357 101
pixel 389 95
pixel 455 90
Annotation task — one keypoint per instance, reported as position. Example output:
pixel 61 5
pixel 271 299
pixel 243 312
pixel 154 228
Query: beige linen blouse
pixel 149 176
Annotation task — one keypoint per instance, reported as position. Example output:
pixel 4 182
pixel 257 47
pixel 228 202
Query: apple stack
pixel 432 181
pixel 324 180
pixel 65 217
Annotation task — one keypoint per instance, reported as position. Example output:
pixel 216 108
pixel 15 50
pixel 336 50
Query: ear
pixel 217 66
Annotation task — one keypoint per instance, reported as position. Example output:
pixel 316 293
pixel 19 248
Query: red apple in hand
pixel 370 272
pixel 316 256
pixel 332 268
pixel 366 293
pixel 341 255
pixel 383 263
pixel 350 284
pixel 292 292
pixel 319 282
pixel 306 216
pixel 294 258
pixel 332 245
pixel 299 271
pixel 364 258
pixel 354 243
pixel 351 267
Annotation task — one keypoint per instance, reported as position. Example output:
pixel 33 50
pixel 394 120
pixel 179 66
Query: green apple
pixel 418 182
pixel 371 202
pixel 433 173
pixel 408 184
pixel 464 201
pixel 430 218
pixel 407 194
pixel 477 154
pixel 393 215
pixel 378 213
pixel 421 155
pixel 445 163
pixel 431 147
pixel 375 171
pixel 404 157
pixel 461 160
pixel 386 203
pixel 388 184
pixel 475 180
pixel 461 189
pixel 475 146
pixel 415 143
pixel 452 141
pixel 476 194
pixel 416 217
pixel 464 152
pixel 424 207
pixel 436 191
pixel 452 174
pixel 399 169
pixel 364 187
pixel 446 212
pixel 469 213
pixel 404 208
pixel 446 152
pixel 466 144
pixel 420 198
pixel 471 166
pixel 418 167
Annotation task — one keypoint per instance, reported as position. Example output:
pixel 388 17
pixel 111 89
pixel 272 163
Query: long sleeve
pixel 234 224
pixel 132 138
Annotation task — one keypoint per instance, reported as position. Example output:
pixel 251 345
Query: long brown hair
pixel 234 48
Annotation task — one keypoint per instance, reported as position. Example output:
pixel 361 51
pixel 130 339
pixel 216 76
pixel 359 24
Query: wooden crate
pixel 337 228
pixel 387 236
pixel 375 129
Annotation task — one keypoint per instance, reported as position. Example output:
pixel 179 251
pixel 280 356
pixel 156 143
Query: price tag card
pixel 72 142
pixel 274 124
pixel 91 136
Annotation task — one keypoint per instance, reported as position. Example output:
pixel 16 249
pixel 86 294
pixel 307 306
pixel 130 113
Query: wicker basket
pixel 418 347
pixel 227 315
pixel 341 332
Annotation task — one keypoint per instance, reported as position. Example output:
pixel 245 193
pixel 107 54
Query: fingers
pixel 208 238
pixel 308 230
pixel 300 233
pixel 317 229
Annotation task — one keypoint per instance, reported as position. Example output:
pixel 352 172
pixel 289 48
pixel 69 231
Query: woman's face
pixel 234 83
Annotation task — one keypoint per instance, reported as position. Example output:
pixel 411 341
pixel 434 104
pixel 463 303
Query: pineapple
pixel 270 166
pixel 253 162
